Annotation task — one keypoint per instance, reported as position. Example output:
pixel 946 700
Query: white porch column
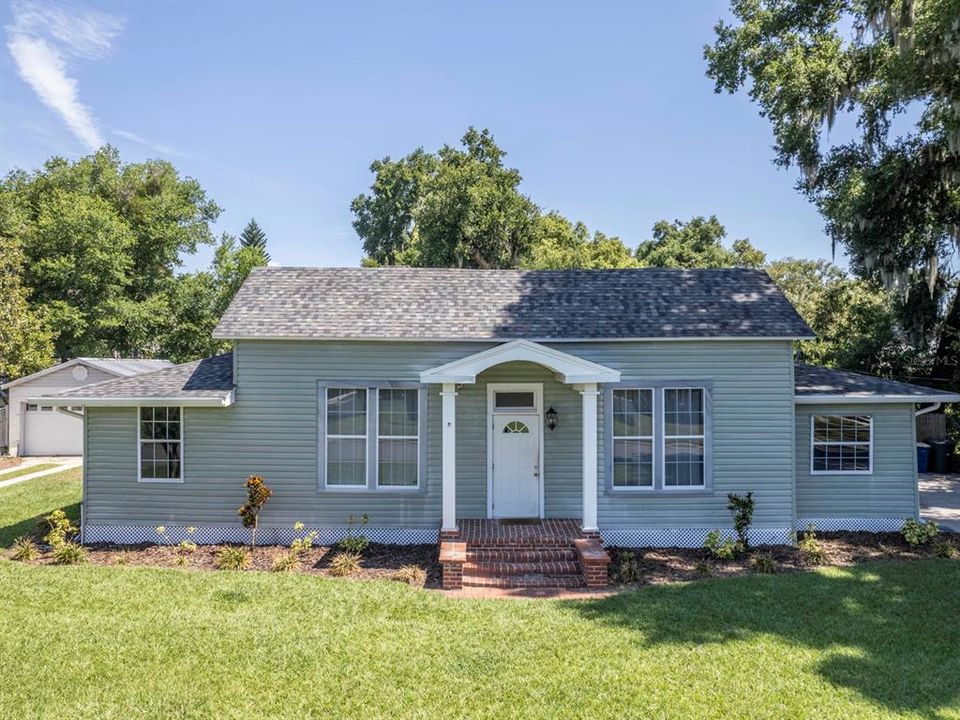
pixel 449 396
pixel 589 393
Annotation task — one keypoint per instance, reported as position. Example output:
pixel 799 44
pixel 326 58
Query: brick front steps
pixel 549 554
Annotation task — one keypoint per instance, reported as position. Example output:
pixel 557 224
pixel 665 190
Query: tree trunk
pixel 943 374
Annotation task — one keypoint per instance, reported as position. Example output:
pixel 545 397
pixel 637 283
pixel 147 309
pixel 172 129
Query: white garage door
pixel 48 432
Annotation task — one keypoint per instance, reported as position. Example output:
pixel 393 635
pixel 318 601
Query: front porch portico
pixel 583 375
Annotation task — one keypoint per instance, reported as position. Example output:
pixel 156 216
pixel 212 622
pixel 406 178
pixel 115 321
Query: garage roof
pixel 121 367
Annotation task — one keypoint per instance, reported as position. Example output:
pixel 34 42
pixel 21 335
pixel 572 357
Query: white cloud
pixel 42 39
pixel 155 146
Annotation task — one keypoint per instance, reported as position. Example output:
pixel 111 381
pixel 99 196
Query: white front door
pixel 516 466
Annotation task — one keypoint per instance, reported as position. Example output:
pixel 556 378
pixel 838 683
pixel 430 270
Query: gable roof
pixel 121 367
pixel 207 382
pixel 400 303
pixel 813 384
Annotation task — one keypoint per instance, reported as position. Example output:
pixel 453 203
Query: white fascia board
pixel 225 401
pixel 570 368
pixel 872 399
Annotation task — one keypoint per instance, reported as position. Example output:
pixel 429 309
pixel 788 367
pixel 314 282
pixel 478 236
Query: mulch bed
pixel 666 565
pixel 654 565
pixel 379 561
pixel 9 462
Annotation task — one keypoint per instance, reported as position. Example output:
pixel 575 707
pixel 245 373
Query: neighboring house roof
pixel 813 384
pixel 121 367
pixel 201 382
pixel 454 304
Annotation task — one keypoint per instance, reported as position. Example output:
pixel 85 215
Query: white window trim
pixel 664 437
pixel 365 437
pixel 814 443
pixel 654 445
pixel 376 449
pixel 182 441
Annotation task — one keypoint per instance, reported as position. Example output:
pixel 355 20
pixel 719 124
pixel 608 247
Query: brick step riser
pixel 520 568
pixel 521 556
pixel 524 581
pixel 559 544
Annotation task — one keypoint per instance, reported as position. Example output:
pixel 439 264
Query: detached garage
pixel 37 429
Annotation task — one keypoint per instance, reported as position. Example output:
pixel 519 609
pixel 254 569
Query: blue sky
pixel 278 108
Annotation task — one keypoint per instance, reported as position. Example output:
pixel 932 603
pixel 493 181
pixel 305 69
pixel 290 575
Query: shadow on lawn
pixel 35 526
pixel 890 631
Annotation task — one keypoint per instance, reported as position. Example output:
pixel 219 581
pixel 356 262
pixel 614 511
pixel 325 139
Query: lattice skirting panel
pixel 686 537
pixel 835 524
pixel 135 534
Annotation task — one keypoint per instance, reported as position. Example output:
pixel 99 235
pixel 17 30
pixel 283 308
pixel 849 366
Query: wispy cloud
pixel 155 146
pixel 44 39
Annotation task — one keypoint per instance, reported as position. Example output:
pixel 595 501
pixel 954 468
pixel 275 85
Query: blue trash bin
pixel 923 457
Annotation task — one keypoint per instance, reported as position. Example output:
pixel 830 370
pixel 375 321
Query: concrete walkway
pixel 940 500
pixel 63 463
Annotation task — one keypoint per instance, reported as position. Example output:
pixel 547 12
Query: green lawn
pixel 23 504
pixel 30 469
pixel 879 640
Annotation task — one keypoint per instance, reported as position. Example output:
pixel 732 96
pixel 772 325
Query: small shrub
pixel 257 495
pixel 628 571
pixel 763 562
pixel 741 507
pixel 720 547
pixel 354 541
pixel 122 558
pixel 945 549
pixel 185 549
pixel 61 529
pixel 232 558
pixel 704 568
pixel 411 575
pixel 810 548
pixel 69 553
pixel 301 545
pixel 287 562
pixel 916 533
pixel 24 549
pixel 345 563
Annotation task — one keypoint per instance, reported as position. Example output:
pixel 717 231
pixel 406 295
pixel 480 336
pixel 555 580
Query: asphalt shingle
pixel 455 304
pixel 208 378
pixel 814 380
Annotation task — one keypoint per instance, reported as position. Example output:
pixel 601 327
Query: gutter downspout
pixel 924 411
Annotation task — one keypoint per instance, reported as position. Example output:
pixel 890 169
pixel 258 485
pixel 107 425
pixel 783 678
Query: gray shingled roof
pixel 208 378
pixel 126 367
pixel 450 304
pixel 813 381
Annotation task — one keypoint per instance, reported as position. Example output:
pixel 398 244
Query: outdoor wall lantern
pixel 551 416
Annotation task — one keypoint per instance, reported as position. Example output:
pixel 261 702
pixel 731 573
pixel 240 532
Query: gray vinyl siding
pixel 751 393
pixel 889 492
pixel 272 430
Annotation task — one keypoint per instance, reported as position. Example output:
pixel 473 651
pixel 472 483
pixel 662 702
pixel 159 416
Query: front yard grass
pixel 876 640
pixel 29 470
pixel 24 504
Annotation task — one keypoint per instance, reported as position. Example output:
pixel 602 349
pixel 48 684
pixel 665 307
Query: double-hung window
pixel 684 438
pixel 398 444
pixel 346 442
pixel 371 439
pixel 633 438
pixel 841 444
pixel 161 444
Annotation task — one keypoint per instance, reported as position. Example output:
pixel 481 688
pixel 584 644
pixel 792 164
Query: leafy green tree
pixel 561 245
pixel 197 301
pixel 460 207
pixel 254 237
pixel 697 243
pixel 26 345
pixel 101 243
pixel 891 195
pixel 855 320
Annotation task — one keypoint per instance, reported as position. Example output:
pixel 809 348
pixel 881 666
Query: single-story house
pixel 507 413
pixel 36 428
